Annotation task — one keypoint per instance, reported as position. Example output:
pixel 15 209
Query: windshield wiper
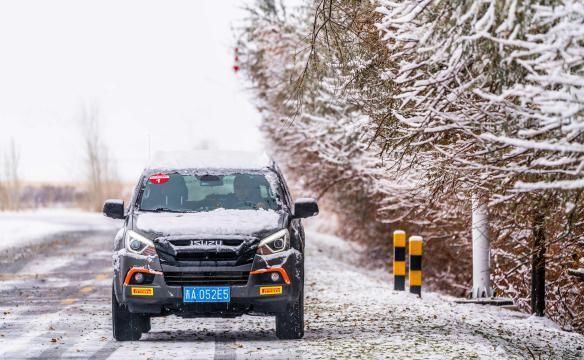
pixel 163 209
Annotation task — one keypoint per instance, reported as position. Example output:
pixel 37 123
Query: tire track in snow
pixel 106 351
pixel 14 260
pixel 61 289
pixel 224 342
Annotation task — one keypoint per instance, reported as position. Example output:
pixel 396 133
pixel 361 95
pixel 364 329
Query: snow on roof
pixel 209 160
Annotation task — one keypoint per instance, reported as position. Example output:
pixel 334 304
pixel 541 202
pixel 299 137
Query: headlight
pixel 139 244
pixel 274 243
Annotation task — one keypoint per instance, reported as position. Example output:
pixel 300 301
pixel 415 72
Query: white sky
pixel 158 69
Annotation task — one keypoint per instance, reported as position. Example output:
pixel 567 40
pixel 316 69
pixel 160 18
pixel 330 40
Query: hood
pixel 220 222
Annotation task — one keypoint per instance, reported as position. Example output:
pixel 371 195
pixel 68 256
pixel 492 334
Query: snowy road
pixel 57 305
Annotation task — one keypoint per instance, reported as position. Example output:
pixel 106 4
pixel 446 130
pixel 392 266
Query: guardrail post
pixel 399 260
pixel 416 265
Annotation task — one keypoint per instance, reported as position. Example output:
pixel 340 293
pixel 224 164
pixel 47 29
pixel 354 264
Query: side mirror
pixel 305 207
pixel 114 209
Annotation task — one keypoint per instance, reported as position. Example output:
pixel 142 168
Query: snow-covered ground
pixel 23 228
pixel 58 306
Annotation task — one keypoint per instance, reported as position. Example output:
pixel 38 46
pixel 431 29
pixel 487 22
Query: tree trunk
pixel 538 265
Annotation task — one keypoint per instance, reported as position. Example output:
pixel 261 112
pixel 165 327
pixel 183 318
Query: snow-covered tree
pixel 495 90
pixel 323 136
pixel 399 111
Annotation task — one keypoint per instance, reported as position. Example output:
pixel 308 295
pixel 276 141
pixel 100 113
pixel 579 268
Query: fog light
pixel 139 278
pixel 275 276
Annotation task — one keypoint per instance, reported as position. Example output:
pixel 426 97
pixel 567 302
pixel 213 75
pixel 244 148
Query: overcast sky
pixel 156 69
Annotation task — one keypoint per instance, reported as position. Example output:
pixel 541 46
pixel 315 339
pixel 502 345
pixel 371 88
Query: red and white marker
pixel 158 179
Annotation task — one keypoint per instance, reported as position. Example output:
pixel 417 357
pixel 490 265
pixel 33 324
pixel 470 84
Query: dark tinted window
pixel 208 192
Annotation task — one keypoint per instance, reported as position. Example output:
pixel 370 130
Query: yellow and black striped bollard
pixel 416 249
pixel 399 260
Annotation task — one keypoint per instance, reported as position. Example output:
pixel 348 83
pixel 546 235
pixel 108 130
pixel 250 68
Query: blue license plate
pixel 206 294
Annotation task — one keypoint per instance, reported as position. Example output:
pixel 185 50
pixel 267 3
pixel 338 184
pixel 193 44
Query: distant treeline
pixel 47 195
pixel 50 195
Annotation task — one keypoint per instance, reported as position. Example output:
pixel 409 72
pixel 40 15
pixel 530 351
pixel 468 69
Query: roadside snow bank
pixel 19 229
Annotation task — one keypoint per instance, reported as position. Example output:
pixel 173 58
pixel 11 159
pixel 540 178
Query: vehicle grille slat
pixel 198 278
pixel 207 256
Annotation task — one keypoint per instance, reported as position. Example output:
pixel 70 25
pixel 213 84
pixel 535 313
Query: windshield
pixel 176 192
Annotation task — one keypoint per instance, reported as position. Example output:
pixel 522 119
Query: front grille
pixel 206 256
pixel 189 242
pixel 206 278
pixel 185 250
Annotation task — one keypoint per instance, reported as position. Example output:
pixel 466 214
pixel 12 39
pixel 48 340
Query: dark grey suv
pixel 209 235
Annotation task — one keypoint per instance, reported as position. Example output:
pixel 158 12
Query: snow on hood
pixel 216 222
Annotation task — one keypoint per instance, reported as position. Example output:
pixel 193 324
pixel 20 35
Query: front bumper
pixel 160 298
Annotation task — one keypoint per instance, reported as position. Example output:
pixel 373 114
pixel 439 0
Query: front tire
pixel 145 323
pixel 127 326
pixel 290 324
